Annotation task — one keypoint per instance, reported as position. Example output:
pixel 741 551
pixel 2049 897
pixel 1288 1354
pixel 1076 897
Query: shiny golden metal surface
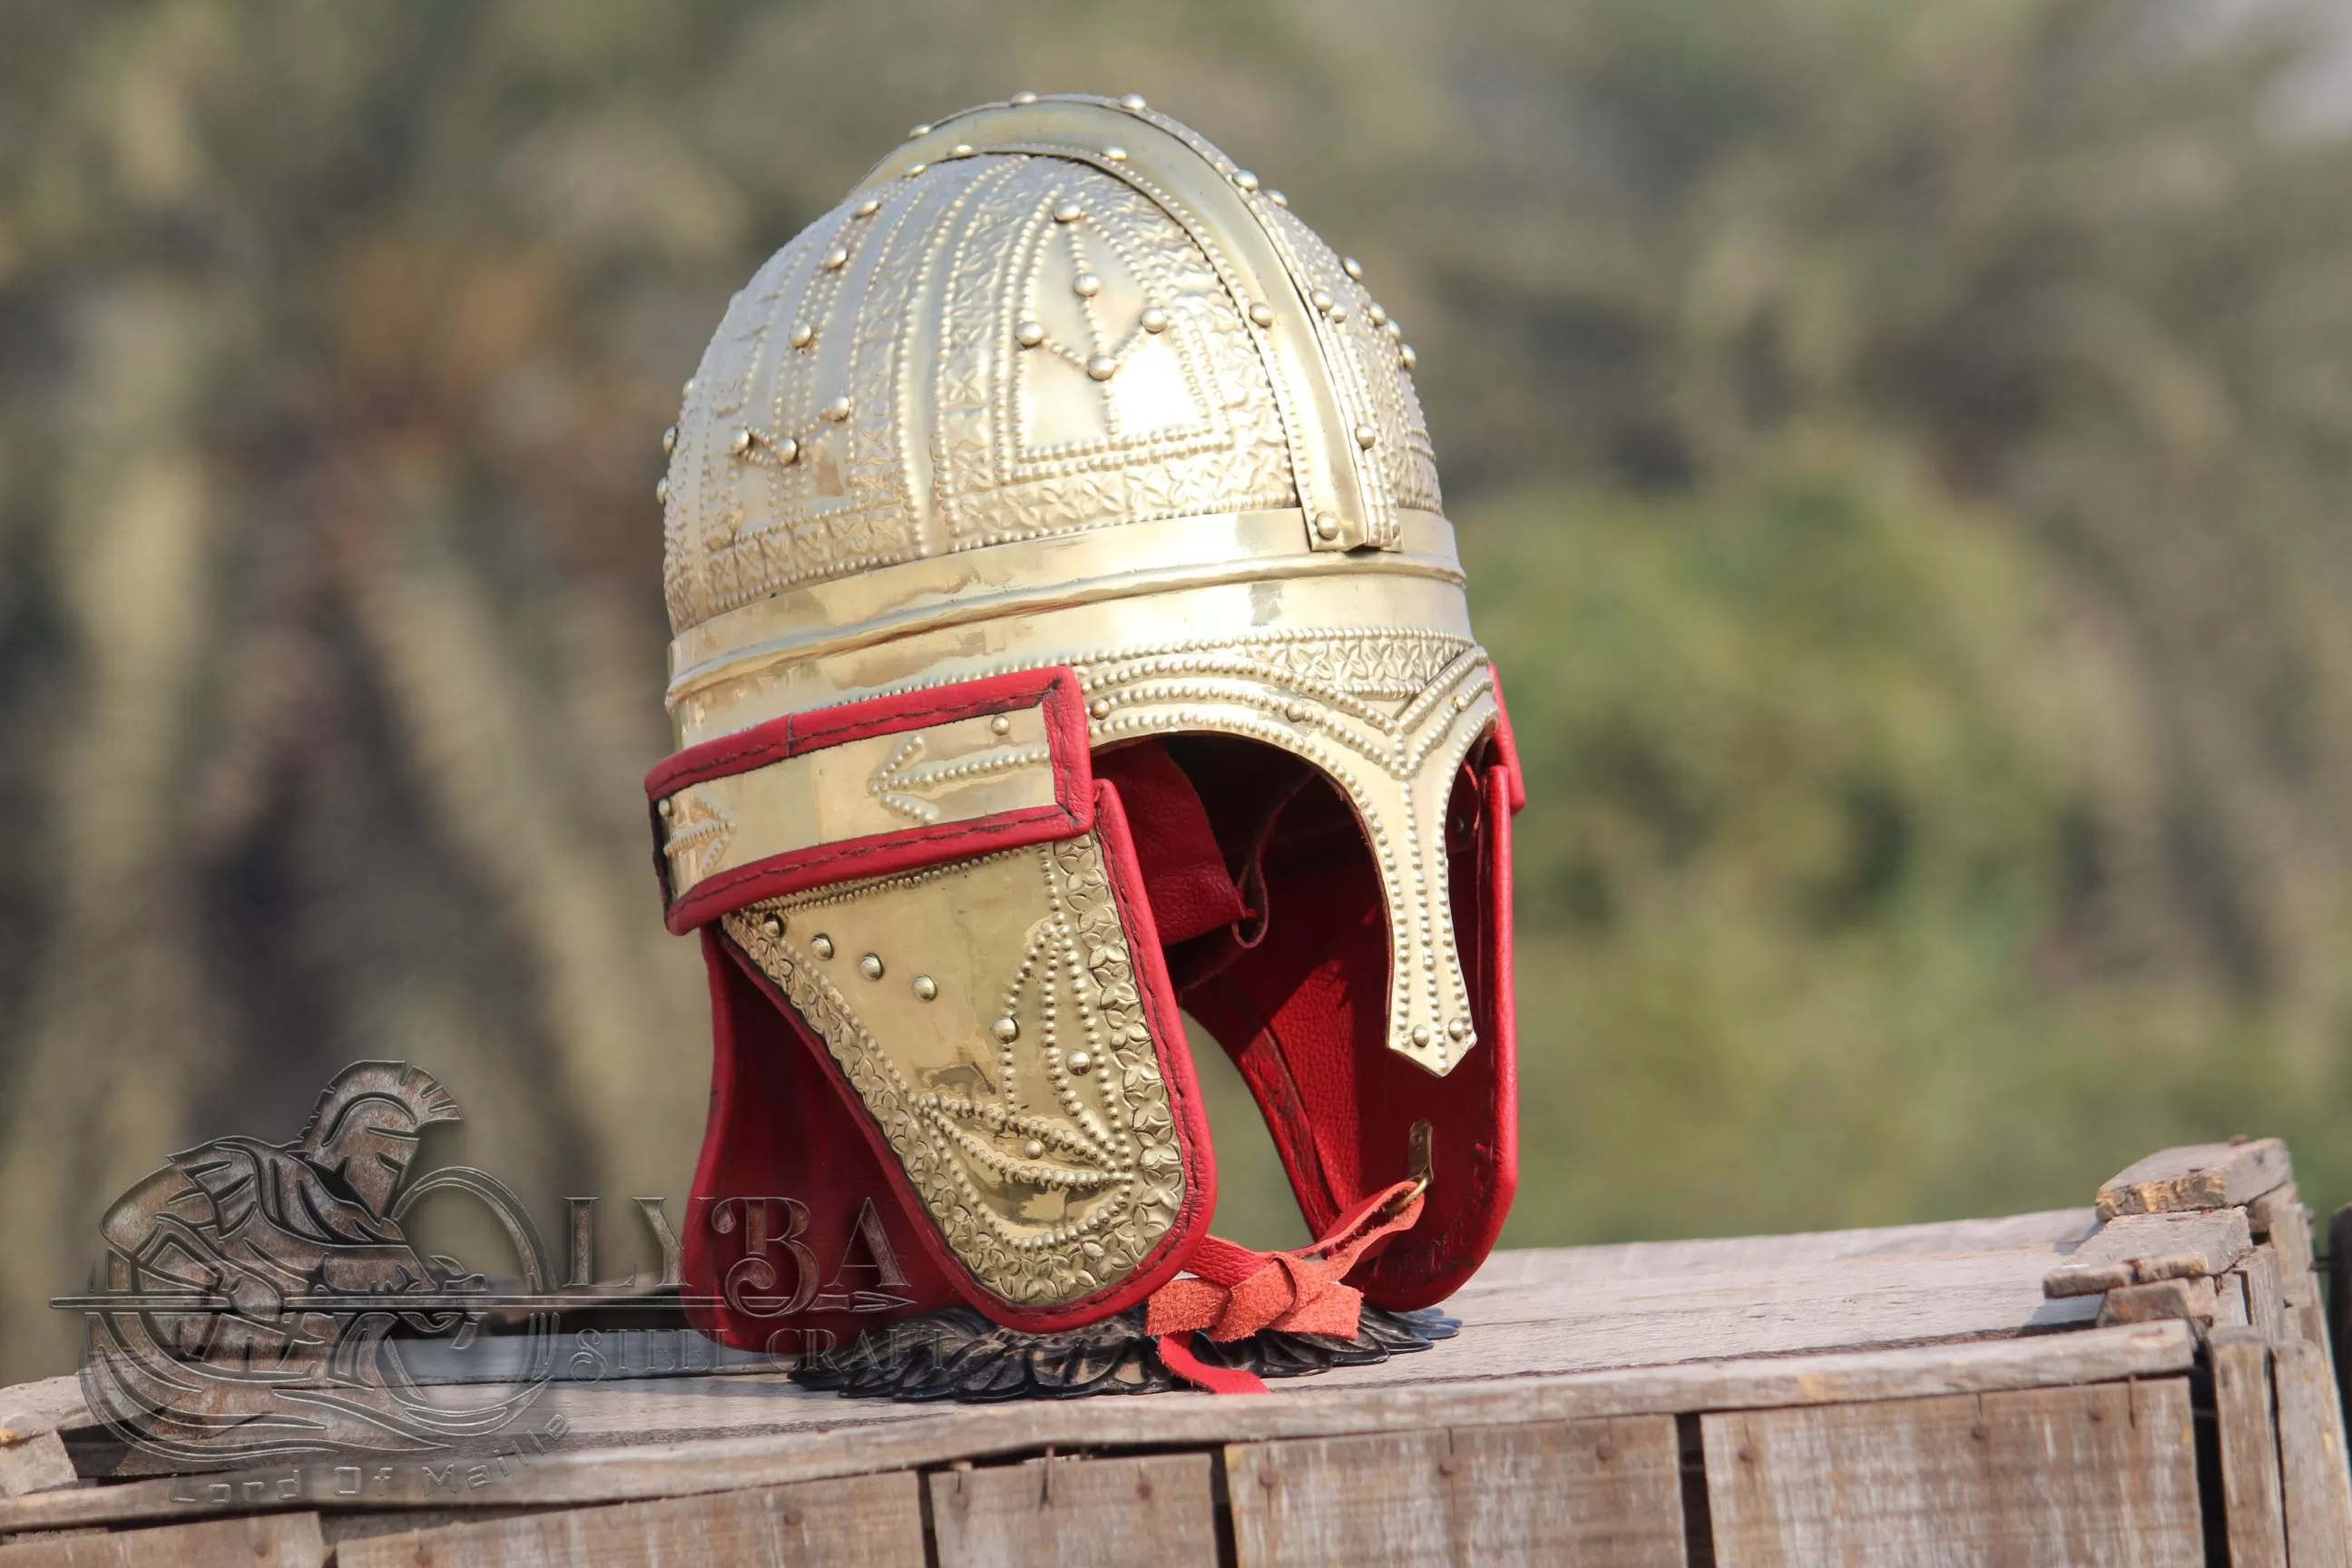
pixel 946 772
pixel 1144 559
pixel 1014 1078
pixel 1060 384
pixel 898 327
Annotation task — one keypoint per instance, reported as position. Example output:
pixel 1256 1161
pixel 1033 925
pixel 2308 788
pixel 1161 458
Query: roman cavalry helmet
pixel 1070 639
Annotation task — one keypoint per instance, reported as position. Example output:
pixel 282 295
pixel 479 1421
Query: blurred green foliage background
pixel 1901 449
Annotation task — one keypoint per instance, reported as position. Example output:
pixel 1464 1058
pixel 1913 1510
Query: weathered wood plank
pixel 1154 1512
pixel 2070 1478
pixel 2139 1248
pixel 2314 1482
pixel 2264 1213
pixel 29 1409
pixel 341 1527
pixel 2339 1297
pixel 34 1464
pixel 864 1522
pixel 2279 1218
pixel 2190 1301
pixel 2265 1307
pixel 1848 1304
pixel 1533 1313
pixel 1605 1494
pixel 1560 1317
pixel 2197 1176
pixel 2051 1229
pixel 272 1541
pixel 1532 1328
pixel 1324 1407
pixel 2247 1416
pixel 2308 1322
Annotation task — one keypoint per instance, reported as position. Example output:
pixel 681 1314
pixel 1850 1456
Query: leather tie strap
pixel 1234 1291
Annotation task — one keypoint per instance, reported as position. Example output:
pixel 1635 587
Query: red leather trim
pixel 1507 1009
pixel 903 849
pixel 1422 1271
pixel 1165 1023
pixel 778 1136
pixel 1303 1016
pixel 1507 747
pixel 709 1163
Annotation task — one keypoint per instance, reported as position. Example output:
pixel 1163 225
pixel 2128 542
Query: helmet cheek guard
pixel 947 908
pixel 1069 639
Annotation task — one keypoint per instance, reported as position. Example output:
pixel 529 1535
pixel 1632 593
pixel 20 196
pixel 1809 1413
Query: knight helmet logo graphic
pixel 258 1295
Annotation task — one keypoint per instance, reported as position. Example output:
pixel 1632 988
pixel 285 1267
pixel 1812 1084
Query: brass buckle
pixel 1421 1163
pixel 1423 1170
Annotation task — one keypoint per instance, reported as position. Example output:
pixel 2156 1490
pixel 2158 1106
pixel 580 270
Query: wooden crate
pixel 1913 1394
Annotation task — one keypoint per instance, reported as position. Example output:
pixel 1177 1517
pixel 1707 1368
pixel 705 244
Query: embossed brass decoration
pixel 1021 1094
pixel 1038 404
pixel 952 345
pixel 953 771
pixel 1058 387
pixel 1058 384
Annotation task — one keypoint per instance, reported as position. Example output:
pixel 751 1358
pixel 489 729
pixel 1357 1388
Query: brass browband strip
pixel 814 620
pixel 957 770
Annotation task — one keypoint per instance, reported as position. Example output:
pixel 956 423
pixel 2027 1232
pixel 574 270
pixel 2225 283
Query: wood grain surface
pixel 2197 1176
pixel 2139 1248
pixel 865 1522
pixel 1605 1494
pixel 31 1408
pixel 1914 1394
pixel 2247 1417
pixel 2264 1285
pixel 2191 1300
pixel 2100 1476
pixel 1313 1408
pixel 269 1540
pixel 1531 1312
pixel 2278 1218
pixel 1152 1512
pixel 34 1464
pixel 2316 1487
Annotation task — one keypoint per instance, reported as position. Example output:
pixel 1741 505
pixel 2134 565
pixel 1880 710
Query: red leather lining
pixel 777 1135
pixel 1438 1257
pixel 1507 747
pixel 904 849
pixel 1303 1013
pixel 1192 894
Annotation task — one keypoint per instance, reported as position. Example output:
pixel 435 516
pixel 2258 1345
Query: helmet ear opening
pixel 1295 992
pixel 1212 813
